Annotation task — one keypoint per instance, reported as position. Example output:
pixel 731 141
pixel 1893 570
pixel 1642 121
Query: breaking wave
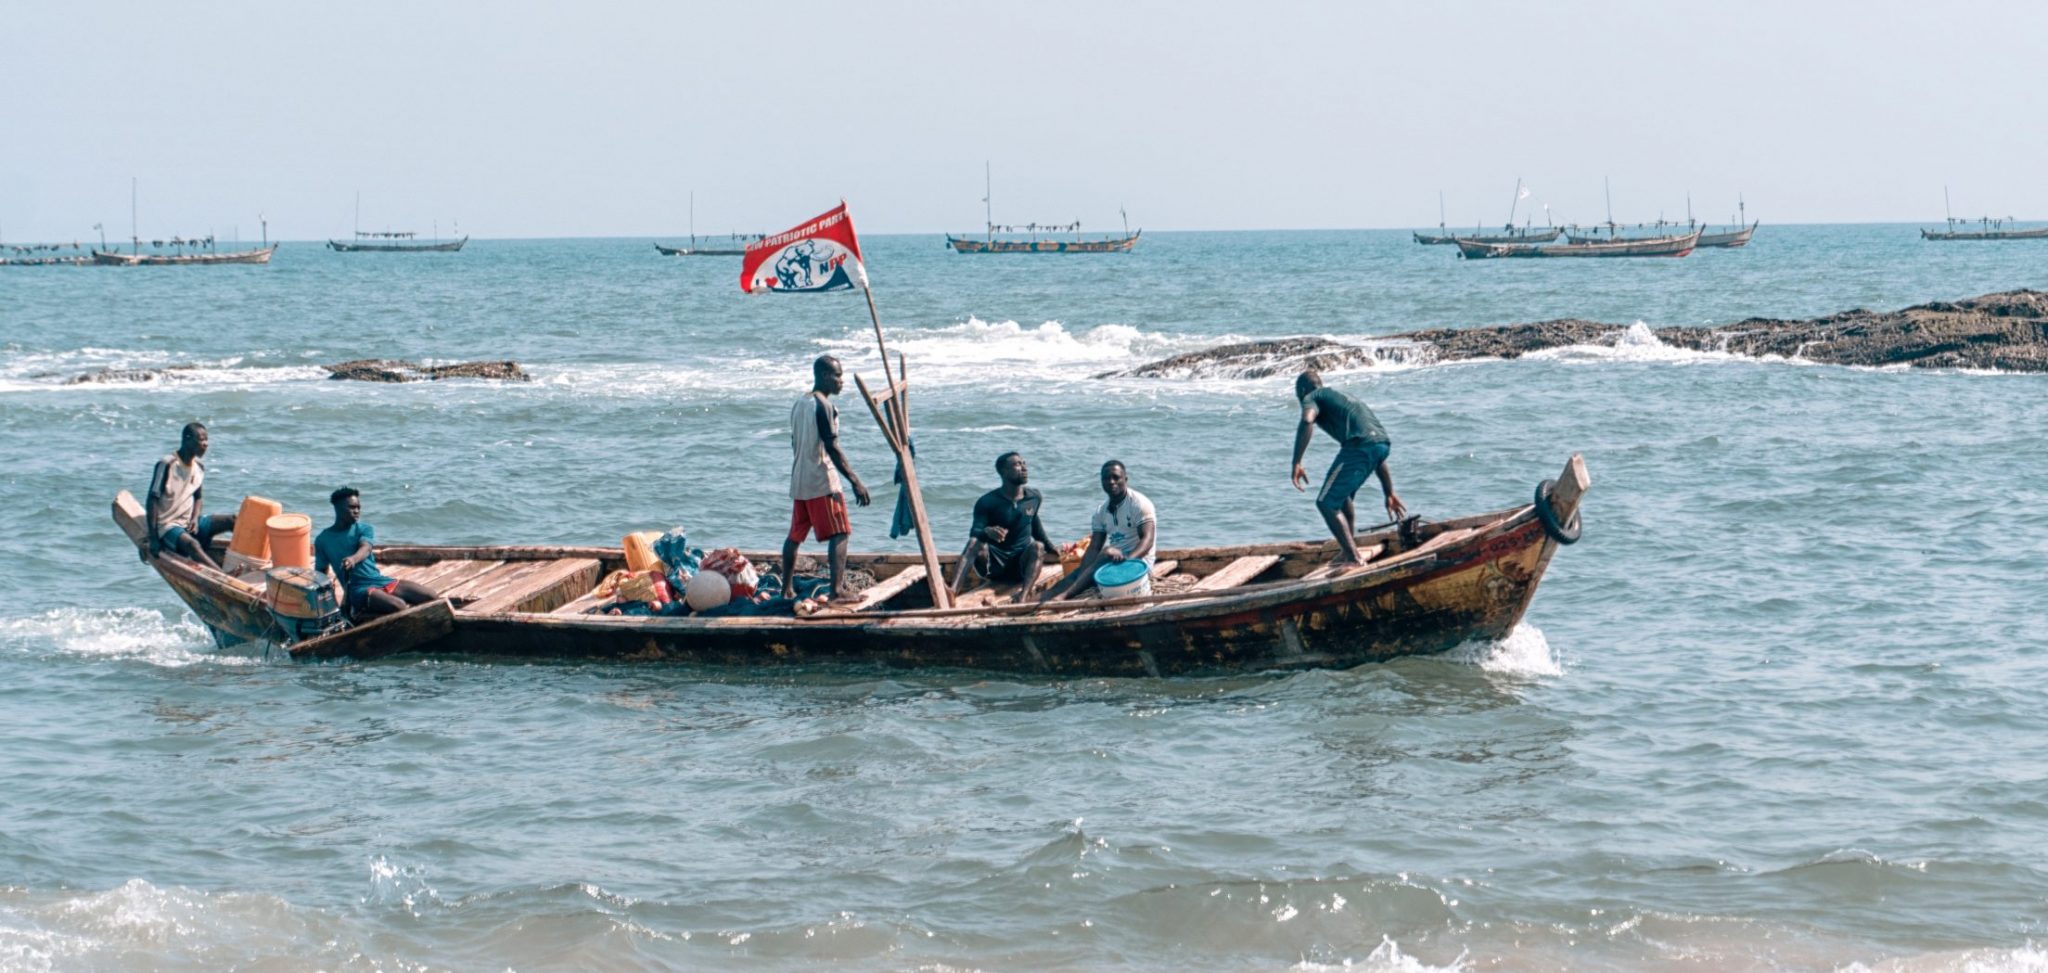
pixel 113 633
pixel 1524 652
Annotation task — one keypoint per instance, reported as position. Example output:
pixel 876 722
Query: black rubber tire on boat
pixel 1561 533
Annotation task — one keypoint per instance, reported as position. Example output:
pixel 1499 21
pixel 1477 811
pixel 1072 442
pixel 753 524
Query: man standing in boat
pixel 347 552
pixel 820 506
pixel 176 494
pixel 1362 452
pixel 1123 528
pixel 1007 539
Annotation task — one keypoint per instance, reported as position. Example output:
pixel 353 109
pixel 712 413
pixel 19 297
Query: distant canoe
pixel 1531 235
pixel 44 261
pixel 258 256
pixel 1111 245
pixel 698 251
pixel 1669 246
pixel 1991 233
pixel 449 247
pixel 1730 240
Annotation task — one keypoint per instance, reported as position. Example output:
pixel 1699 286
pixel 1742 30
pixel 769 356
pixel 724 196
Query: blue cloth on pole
pixel 903 523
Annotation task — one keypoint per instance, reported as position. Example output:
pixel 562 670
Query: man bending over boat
pixel 1005 543
pixel 814 478
pixel 346 551
pixel 1362 452
pixel 176 493
pixel 1124 527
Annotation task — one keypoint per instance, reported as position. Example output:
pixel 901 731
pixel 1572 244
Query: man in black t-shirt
pixel 1007 540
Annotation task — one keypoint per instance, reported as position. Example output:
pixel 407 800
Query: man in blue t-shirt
pixel 346 551
pixel 1362 452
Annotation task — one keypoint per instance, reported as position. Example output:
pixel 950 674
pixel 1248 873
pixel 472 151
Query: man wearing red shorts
pixel 820 507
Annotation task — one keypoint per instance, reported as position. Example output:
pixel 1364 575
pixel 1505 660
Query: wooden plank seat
pixel 989 593
pixel 1237 572
pixel 536 586
pixel 884 590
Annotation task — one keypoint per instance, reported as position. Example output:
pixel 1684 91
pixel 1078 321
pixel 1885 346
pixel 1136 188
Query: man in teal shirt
pixel 1362 452
pixel 346 551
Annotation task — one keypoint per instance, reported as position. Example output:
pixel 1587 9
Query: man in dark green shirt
pixel 1362 451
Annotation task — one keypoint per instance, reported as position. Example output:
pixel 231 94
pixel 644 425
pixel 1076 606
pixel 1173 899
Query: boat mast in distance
pixel 392 241
pixel 1987 228
pixel 992 243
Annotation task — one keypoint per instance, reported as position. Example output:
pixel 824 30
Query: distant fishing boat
pixel 1742 229
pixel 392 241
pixel 207 257
pixel 104 258
pixel 735 246
pixel 1666 246
pixel 990 244
pixel 1987 228
pixel 1509 233
pixel 696 250
pixel 389 241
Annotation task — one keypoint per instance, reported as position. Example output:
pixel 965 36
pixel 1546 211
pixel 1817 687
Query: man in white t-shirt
pixel 1124 527
pixel 177 491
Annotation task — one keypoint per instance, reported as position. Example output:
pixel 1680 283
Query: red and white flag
pixel 822 254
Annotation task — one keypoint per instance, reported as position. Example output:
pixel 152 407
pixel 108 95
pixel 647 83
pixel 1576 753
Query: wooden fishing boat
pixel 1527 234
pixel 1508 234
pixel 261 255
pixel 993 245
pixel 1987 229
pixel 1738 237
pixel 990 243
pixel 44 261
pixel 696 251
pixel 1425 588
pixel 1665 246
pixel 389 242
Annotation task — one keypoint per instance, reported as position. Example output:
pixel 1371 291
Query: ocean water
pixel 1784 708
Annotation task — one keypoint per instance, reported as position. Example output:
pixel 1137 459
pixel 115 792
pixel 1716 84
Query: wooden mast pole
pixel 898 435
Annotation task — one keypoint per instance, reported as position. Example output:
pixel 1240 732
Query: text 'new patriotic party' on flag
pixel 821 254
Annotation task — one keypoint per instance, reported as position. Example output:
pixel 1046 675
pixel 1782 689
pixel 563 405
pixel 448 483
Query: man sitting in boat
pixel 176 493
pixel 1007 539
pixel 820 507
pixel 346 551
pixel 1362 451
pixel 1124 527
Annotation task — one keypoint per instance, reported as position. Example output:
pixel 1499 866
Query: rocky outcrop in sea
pixel 360 370
pixel 392 370
pixel 2006 331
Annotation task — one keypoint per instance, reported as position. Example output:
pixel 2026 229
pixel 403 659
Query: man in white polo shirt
pixel 1123 528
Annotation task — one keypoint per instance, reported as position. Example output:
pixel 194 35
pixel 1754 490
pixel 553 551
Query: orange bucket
pixel 252 536
pixel 291 540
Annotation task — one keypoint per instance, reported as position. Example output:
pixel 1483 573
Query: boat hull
pixel 108 259
pixel 698 251
pixel 1729 240
pixel 1674 246
pixel 1534 236
pixel 450 247
pixel 1117 245
pixel 2038 234
pixel 1428 609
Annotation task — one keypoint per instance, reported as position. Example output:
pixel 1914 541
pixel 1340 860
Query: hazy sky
pixel 594 119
